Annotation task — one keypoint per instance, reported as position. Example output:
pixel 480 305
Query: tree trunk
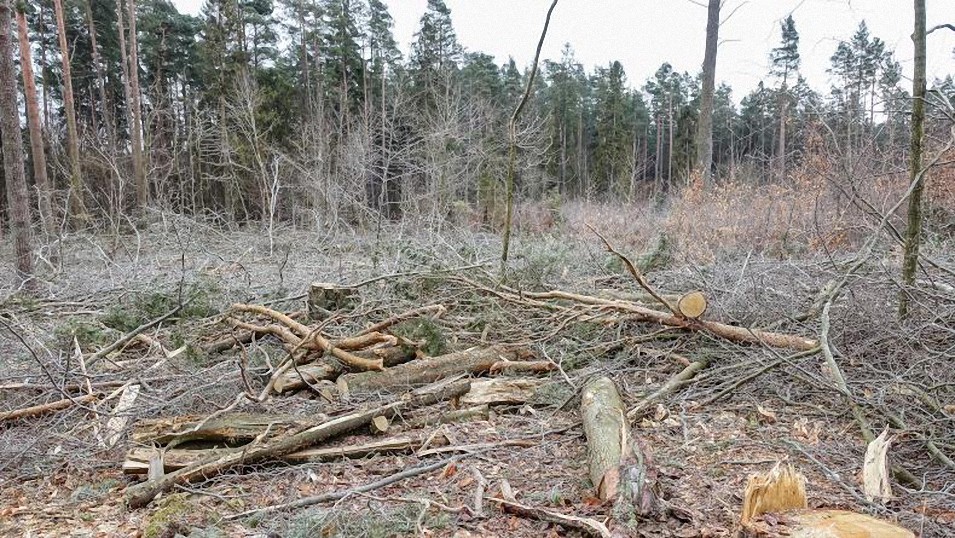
pixel 18 199
pixel 704 136
pixel 100 80
pixel 127 93
pixel 77 186
pixel 36 130
pixel 142 188
pixel 781 148
pixel 913 232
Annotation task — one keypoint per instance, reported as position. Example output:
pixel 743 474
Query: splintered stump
pixel 424 371
pixel 775 505
pixel 324 298
pixel 619 468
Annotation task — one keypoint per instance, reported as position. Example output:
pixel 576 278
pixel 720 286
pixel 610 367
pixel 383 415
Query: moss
pixel 172 514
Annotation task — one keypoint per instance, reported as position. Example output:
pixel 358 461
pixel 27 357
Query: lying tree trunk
pixel 236 429
pixel 140 495
pixel 619 468
pixel 423 371
pixel 137 460
pixel 501 391
pixel 782 493
pixel 478 412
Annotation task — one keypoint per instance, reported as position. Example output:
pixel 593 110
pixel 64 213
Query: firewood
pixel 423 371
pixel 620 469
pixel 43 409
pixel 329 370
pixel 140 495
pixel 235 429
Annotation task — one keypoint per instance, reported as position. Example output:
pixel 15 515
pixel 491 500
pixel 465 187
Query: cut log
pixel 329 370
pixel 325 298
pixel 423 371
pixel 692 305
pixel 619 467
pixel 137 460
pixel 236 429
pixel 501 391
pixel 775 505
pixel 140 495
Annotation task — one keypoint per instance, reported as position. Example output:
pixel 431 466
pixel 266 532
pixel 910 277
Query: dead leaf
pixel 449 470
pixel 766 415
pixel 660 413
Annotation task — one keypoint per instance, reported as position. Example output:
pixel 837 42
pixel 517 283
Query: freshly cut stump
pixel 775 505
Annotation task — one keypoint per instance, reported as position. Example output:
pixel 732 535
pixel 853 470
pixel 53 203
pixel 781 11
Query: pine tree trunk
pixel 100 79
pixel 913 231
pixel 36 131
pixel 781 149
pixel 704 137
pixel 77 186
pixel 142 188
pixel 18 199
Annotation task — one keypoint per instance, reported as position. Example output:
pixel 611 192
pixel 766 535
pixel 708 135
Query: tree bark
pixel 77 185
pixel 704 137
pixel 139 173
pixel 18 199
pixel 913 231
pixel 108 123
pixel 38 152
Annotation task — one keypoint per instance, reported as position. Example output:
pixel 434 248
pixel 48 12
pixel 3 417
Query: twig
pixel 96 357
pixel 339 495
pixel 636 274
pixel 586 525
pixel 746 379
pixel 671 385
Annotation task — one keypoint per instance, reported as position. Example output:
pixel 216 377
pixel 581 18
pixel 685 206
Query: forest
pixel 265 273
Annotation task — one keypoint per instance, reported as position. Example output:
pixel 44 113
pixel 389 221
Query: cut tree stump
pixel 424 371
pixel 324 298
pixel 775 505
pixel 619 468
pixel 692 305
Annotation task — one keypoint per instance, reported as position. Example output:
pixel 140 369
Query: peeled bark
pixel 77 185
pixel 38 152
pixel 18 200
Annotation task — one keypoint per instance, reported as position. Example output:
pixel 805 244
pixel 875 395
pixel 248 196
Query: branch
pixel 939 27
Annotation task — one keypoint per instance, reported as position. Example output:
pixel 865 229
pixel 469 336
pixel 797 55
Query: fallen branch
pixel 140 495
pixel 96 357
pixel 588 526
pixel 339 495
pixel 43 409
pixel 671 385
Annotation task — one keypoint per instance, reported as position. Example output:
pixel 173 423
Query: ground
pixel 57 478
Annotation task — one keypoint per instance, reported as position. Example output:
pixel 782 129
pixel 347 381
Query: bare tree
pixel 704 136
pixel 913 232
pixel 36 130
pixel 139 172
pixel 17 197
pixel 77 187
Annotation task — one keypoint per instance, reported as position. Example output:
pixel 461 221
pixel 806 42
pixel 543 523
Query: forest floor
pixel 58 478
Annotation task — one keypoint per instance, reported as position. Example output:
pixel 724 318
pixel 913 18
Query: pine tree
pixel 614 128
pixel 435 52
pixel 784 61
pixel 344 66
pixel 18 199
pixel 77 185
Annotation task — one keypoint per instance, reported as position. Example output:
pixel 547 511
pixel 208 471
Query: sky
pixel 643 34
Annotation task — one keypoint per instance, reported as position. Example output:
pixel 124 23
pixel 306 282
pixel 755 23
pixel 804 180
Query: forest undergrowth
pixel 767 267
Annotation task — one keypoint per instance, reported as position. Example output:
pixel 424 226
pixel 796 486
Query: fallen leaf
pixel 766 415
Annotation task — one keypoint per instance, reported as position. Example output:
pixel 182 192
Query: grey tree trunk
pixel 40 176
pixel 913 232
pixel 77 185
pixel 18 199
pixel 139 172
pixel 704 136
pixel 781 148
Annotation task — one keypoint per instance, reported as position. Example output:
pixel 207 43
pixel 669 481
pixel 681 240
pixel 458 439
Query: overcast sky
pixel 642 34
